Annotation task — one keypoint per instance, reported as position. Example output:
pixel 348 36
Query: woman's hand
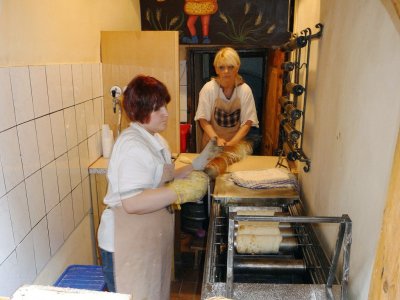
pixel 221 142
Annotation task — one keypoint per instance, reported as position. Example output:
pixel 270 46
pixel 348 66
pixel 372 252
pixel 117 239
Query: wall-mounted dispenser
pixel 116 92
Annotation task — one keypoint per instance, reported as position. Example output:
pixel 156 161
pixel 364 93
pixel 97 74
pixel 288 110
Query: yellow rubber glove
pixel 191 188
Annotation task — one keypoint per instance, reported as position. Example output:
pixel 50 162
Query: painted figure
pixel 195 9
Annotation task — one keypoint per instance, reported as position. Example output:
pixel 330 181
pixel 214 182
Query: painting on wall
pixel 222 22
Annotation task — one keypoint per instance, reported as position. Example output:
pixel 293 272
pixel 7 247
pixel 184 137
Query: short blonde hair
pixel 227 56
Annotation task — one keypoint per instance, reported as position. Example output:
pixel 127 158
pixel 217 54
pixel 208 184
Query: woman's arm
pixel 209 130
pixel 149 200
pixel 242 132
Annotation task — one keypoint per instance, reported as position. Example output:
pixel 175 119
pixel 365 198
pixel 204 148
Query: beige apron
pixel 143 254
pixel 228 108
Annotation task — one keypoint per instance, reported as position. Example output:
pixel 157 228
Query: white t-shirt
pixel 136 164
pixel 211 90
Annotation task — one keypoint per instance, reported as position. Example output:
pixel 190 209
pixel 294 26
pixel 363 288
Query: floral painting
pixel 236 22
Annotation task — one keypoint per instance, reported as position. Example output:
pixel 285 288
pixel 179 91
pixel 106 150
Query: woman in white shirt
pixel 137 226
pixel 226 108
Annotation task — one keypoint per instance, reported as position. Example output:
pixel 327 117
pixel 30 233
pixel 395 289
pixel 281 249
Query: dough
pixel 257 244
pixel 266 228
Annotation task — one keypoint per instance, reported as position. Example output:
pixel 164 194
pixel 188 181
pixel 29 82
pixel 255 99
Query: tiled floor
pixel 188 277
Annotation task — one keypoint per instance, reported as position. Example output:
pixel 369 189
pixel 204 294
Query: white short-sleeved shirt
pixel 212 90
pixel 136 164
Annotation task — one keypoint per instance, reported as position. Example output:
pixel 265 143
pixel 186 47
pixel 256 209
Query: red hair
pixel 143 95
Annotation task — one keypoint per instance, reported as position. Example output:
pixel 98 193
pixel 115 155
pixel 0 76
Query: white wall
pixel 51 99
pixel 352 120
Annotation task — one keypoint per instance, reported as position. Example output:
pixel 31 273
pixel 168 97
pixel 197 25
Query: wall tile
pixel 58 131
pixel 2 181
pixel 39 90
pixel 54 87
pixel 77 202
pixel 41 244
pixel 70 127
pixel 91 123
pixel 56 236
pixel 84 158
pixel 35 195
pixel 7 119
pixel 98 112
pixel 97 80
pixel 81 122
pixel 50 186
pixel 67 216
pixel 9 277
pixel 10 156
pixel 87 81
pixel 22 95
pixel 29 147
pixel 26 260
pixel 75 167
pixel 77 79
pixel 67 87
pixel 94 148
pixel 6 232
pixel 86 195
pixel 19 212
pixel 45 140
pixel 63 177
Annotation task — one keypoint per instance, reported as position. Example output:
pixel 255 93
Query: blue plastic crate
pixel 82 277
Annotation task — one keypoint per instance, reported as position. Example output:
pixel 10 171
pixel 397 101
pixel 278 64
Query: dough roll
pixel 257 244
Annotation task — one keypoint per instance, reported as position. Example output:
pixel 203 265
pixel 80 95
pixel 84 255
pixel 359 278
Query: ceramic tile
pixel 35 195
pixel 98 112
pixel 41 244
pixel 54 87
pixel 183 116
pixel 70 127
pixel 182 73
pixel 93 146
pixel 67 216
pixel 67 87
pixel 6 232
pixel 77 202
pixel 2 182
pixel 63 177
pixel 90 118
pixel 29 147
pixel 22 96
pixel 39 90
pixel 77 79
pixel 50 186
pixel 182 98
pixel 74 165
pixel 97 81
pixel 26 260
pixel 56 237
pixel 9 277
pixel 45 140
pixel 19 212
pixel 10 156
pixel 7 119
pixel 58 131
pixel 86 195
pixel 87 81
pixel 84 158
pixel 81 122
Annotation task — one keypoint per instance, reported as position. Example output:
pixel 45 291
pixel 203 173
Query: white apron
pixel 144 254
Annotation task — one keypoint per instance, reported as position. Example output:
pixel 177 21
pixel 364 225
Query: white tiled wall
pixel 183 91
pixel 50 126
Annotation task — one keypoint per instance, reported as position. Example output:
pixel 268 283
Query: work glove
pixel 189 189
pixel 164 173
pixel 209 152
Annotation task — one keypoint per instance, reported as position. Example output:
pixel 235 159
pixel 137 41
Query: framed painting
pixel 220 22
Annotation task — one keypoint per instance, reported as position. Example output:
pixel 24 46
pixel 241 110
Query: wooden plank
pixel 386 273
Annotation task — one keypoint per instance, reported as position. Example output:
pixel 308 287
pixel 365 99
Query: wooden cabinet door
pixel 125 54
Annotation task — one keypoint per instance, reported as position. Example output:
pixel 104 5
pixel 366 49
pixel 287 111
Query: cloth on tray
pixel 274 178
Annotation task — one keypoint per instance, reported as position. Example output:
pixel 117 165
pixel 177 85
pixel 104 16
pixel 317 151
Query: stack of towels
pixel 274 178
